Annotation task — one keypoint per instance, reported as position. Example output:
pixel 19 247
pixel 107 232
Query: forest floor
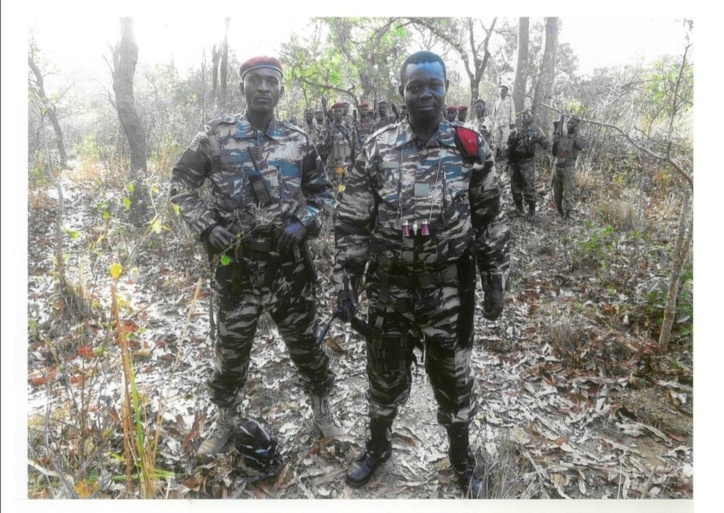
pixel 576 399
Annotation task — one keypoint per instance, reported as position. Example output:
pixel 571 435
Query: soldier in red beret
pixel 270 193
pixel 462 113
pixel 451 113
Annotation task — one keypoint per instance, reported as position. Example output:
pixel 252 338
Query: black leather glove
pixel 220 238
pixel 292 234
pixel 493 299
pixel 345 306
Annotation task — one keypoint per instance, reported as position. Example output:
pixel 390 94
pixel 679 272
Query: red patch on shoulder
pixel 468 141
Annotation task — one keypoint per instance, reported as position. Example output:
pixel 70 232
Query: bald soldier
pixel 269 196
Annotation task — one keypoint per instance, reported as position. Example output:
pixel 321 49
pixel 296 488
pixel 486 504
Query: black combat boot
pixel 518 200
pixel 379 449
pixel 531 209
pixel 470 475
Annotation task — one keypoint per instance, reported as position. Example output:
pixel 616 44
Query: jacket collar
pixel 444 136
pixel 244 130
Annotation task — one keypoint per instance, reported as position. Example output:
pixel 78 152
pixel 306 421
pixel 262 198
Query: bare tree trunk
pixel 215 55
pixel 544 87
pixel 224 71
pixel 125 57
pixel 521 68
pixel 49 109
pixel 681 251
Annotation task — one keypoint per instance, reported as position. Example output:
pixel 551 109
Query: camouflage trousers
pixel 564 187
pixel 429 316
pixel 522 181
pixel 291 302
pixel 500 138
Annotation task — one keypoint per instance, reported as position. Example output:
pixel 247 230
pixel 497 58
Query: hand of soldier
pixel 292 234
pixel 220 238
pixel 493 299
pixel 345 307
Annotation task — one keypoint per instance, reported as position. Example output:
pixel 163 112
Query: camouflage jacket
pixel 566 149
pixel 340 144
pixel 395 179
pixel 522 142
pixel 364 128
pixel 222 154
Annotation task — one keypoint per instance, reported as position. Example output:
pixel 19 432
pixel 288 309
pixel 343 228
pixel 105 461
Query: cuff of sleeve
pixel 309 220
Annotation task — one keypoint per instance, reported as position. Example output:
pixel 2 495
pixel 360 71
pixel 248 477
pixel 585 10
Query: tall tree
pixel 544 85
pixel 125 57
pixel 470 39
pixel 47 108
pixel 521 69
pixel 224 65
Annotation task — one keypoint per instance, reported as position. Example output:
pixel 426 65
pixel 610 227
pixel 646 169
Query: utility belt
pixel 445 276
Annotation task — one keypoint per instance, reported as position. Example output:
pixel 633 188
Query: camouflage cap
pixel 260 62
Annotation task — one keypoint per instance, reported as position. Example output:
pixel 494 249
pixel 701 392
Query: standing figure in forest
pixel 503 120
pixel 422 204
pixel 383 119
pixel 451 113
pixel 340 146
pixel 269 191
pixel 462 113
pixel 521 153
pixel 482 123
pixel 566 148
pixel 364 122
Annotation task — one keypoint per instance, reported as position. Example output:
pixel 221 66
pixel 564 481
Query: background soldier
pixel 420 195
pixel 462 113
pixel 566 148
pixel 503 120
pixel 364 123
pixel 403 112
pixel 268 197
pixel 383 119
pixel 340 145
pixel 451 113
pixel 482 123
pixel 521 153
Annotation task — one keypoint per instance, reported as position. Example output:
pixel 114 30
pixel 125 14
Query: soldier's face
pixel 319 117
pixel 451 115
pixel 262 89
pixel 462 116
pixel 572 127
pixel 338 113
pixel 308 116
pixel 382 109
pixel 480 109
pixel 423 88
pixel 503 92
pixel 363 112
pixel 526 120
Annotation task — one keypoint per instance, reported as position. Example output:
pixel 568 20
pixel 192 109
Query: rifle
pixel 394 109
pixel 557 132
pixel 357 324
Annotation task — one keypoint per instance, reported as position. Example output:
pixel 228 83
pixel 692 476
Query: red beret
pixel 338 105
pixel 260 62
pixel 319 111
pixel 463 108
pixel 363 104
pixel 452 108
